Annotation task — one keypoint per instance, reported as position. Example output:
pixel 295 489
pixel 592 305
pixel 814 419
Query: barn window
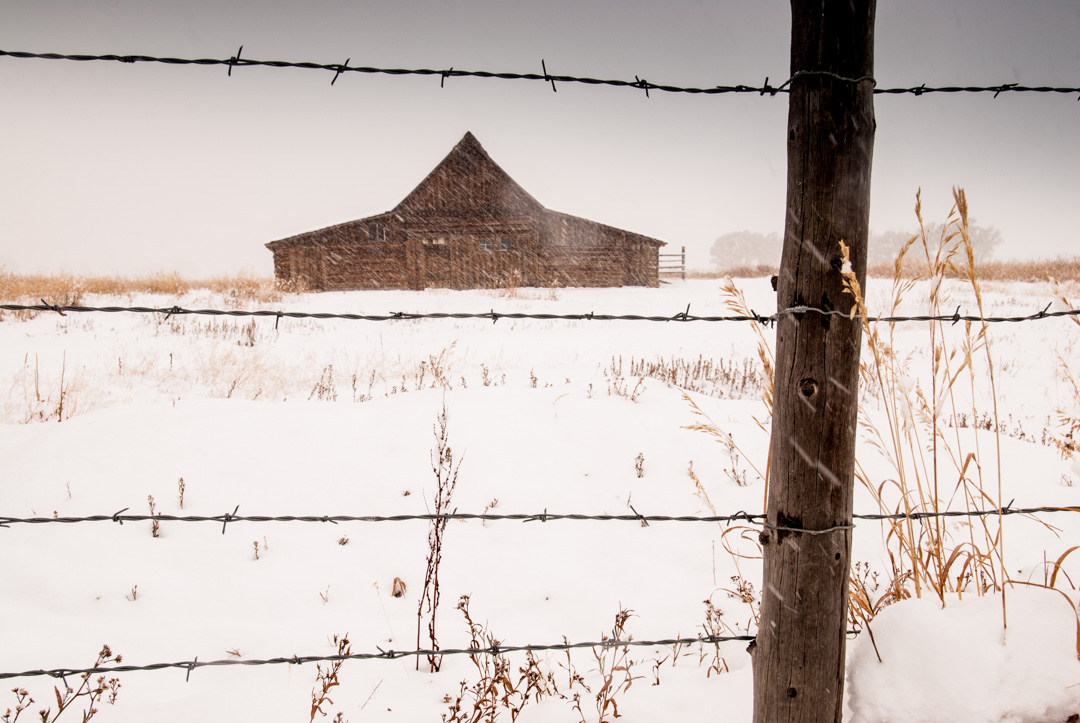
pixel 506 244
pixel 376 231
pixel 485 244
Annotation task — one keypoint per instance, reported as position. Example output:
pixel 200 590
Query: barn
pixel 467 225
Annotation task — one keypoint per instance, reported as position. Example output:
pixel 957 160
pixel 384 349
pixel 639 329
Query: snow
pixel 971 669
pixel 292 422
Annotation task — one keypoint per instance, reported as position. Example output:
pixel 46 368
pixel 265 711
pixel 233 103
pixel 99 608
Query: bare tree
pixel 746 248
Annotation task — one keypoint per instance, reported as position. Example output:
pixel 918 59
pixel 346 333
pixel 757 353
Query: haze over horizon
pixel 118 168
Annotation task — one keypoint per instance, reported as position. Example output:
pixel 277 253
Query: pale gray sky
pixel 111 168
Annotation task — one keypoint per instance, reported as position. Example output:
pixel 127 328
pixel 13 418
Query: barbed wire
pixel 493 649
pixel 644 520
pixel 494 316
pixel 236 61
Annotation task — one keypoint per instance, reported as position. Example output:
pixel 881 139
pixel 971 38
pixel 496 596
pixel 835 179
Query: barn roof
pixel 567 218
pixel 470 158
pixel 467 157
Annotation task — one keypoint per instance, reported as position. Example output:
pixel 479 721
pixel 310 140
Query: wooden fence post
pixel 800 647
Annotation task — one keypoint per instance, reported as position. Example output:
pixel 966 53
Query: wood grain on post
pixel 800 647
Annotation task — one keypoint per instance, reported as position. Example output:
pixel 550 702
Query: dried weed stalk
pixel 714 627
pixel 735 301
pixel 617 384
pixel 326 679
pixel 94 692
pixel 716 378
pixel 497 688
pixel 155 526
pixel 1066 436
pixel 615 667
pixel 446 474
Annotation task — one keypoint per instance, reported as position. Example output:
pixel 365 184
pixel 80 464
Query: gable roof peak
pixel 469 142
pixel 468 157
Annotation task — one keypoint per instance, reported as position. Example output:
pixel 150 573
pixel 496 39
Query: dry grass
pixel 1062 268
pixel 497 688
pixel 1066 436
pixel 932 468
pixel 756 271
pixel 92 693
pixel 72 290
pixel 721 378
pixel 326 679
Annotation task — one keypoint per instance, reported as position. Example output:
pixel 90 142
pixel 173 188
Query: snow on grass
pixel 337 417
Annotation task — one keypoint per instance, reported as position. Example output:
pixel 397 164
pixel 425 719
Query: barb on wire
pixel 544 77
pixel 545 516
pixel 339 70
pixel 231 62
pixel 494 316
pixel 500 649
pixel 543 66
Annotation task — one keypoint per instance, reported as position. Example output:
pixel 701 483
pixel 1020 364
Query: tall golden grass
pixel 929 466
pixel 72 290
pixel 933 468
pixel 1062 268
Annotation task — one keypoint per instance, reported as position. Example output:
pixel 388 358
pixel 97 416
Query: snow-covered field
pixel 338 418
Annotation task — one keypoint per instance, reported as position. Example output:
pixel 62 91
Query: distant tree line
pixel 739 249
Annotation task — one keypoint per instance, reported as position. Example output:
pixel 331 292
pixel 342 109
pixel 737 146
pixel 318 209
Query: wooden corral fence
pixel 671 264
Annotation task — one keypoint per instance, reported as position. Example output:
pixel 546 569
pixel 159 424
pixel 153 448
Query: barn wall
pixel 472 254
pixel 578 254
pixel 282 267
pixel 302 265
pixel 556 250
pixel 365 266
pixel 643 262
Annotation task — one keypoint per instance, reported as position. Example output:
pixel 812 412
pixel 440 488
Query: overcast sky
pixel 111 168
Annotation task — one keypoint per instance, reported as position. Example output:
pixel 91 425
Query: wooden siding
pixel 578 252
pixel 366 266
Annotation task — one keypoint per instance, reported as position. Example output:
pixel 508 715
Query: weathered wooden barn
pixel 467 225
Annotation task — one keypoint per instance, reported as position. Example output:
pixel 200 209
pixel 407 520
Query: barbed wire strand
pixel 494 316
pixel 494 649
pixel 752 518
pixel 637 84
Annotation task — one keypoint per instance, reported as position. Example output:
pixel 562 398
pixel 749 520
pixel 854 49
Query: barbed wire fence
pixel 339 69
pixel 494 316
pixel 493 649
pixel 644 520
